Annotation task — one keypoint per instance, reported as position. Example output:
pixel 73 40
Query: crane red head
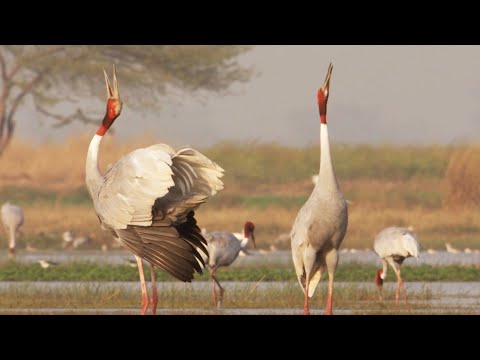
pixel 322 96
pixel 378 278
pixel 249 232
pixel 114 103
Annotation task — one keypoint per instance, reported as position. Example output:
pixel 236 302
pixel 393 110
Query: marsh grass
pixel 463 177
pixel 264 183
pixel 348 272
pixel 45 224
pixel 79 296
pixel 174 297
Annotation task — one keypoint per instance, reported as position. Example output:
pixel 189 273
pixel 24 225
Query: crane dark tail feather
pixel 170 248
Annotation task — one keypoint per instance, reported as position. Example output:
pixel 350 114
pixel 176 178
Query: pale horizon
pixel 398 95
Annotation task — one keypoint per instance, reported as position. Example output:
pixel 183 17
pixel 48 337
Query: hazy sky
pixel 378 94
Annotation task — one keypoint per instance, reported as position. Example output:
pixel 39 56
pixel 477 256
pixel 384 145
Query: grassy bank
pixel 12 271
pixel 264 183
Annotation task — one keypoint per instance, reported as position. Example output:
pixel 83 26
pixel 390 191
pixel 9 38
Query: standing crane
pixel 12 217
pixel 394 245
pixel 322 221
pixel 147 199
pixel 223 249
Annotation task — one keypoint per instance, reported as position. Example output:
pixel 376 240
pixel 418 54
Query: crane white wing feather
pixel 396 241
pixel 131 186
pixel 141 179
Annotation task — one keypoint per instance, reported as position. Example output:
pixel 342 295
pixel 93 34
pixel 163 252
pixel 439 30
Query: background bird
pixel 243 242
pixel 70 240
pixel 321 223
pixel 147 199
pixel 47 263
pixel 393 245
pixel 12 218
pixel 223 249
pixel 451 249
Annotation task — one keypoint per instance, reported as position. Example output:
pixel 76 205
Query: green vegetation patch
pixel 254 163
pixel 14 271
pixel 25 196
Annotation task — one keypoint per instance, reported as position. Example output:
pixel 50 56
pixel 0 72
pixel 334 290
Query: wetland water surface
pixel 424 298
pixel 277 258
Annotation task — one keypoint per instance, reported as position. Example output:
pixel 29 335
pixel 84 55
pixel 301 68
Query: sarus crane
pixel 147 200
pixel 322 221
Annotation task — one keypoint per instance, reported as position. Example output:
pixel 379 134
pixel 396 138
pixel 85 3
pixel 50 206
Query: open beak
pixel 326 84
pixel 112 92
pixel 252 236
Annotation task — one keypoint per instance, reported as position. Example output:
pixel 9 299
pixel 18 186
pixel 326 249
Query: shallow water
pixel 447 298
pixel 277 258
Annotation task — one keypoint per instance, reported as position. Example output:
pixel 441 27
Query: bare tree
pixel 52 75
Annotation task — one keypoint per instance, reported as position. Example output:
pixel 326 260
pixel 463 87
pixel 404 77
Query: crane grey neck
pixel 93 176
pixel 326 176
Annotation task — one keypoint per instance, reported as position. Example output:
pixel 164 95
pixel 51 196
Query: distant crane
pixel 223 249
pixel 13 218
pixel 394 245
pixel 451 249
pixel 322 221
pixel 73 241
pixel 147 199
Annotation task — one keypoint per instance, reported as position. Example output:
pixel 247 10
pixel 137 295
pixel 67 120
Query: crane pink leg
pixel 143 285
pixel 154 290
pixel 380 295
pixel 402 285
pixel 306 310
pixel 331 259
pixel 328 310
pixel 214 293
pixel 397 292
pixel 399 283
pixel 216 302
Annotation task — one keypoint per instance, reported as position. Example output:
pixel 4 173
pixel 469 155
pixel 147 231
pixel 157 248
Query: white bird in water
pixel 431 251
pixel 282 241
pixel 394 245
pixel 30 248
pixel 73 241
pixel 67 237
pixel 147 199
pixel 81 241
pixel 12 218
pixel 47 263
pixel 468 251
pixel 322 221
pixel 223 249
pixel 451 249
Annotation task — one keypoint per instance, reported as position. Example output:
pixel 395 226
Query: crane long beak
pixel 109 87
pixel 115 83
pixel 252 235
pixel 112 92
pixel 326 84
